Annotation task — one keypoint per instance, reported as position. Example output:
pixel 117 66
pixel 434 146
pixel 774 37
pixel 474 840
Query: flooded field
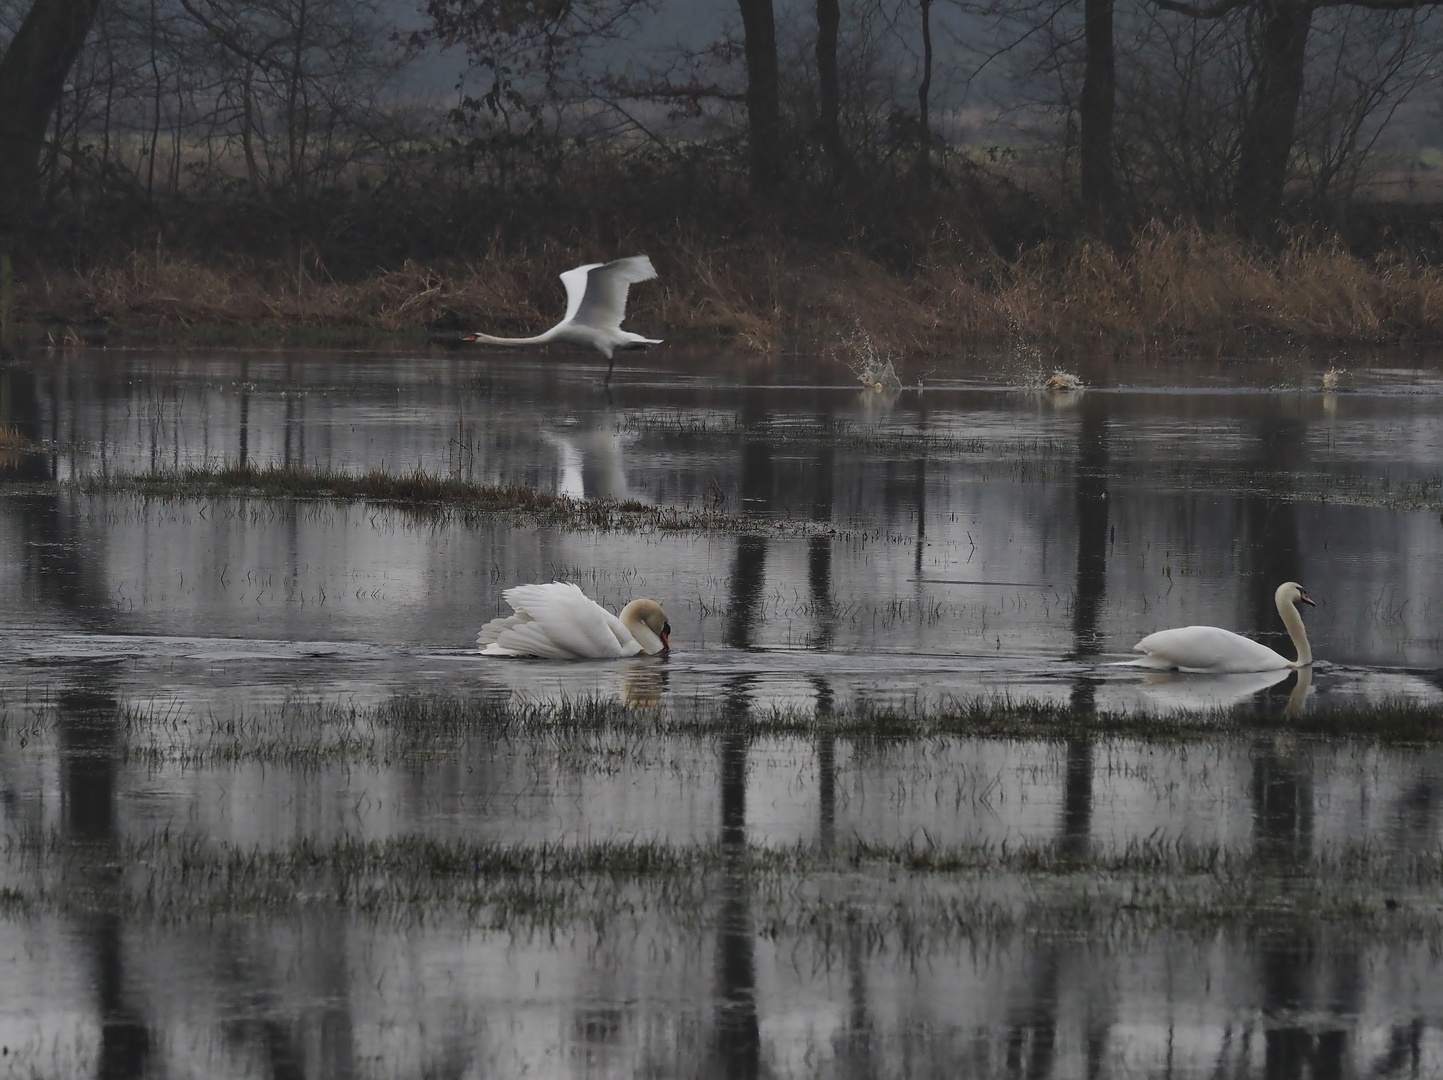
pixel 889 807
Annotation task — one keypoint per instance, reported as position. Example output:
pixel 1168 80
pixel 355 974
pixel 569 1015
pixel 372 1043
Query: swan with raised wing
pixel 560 622
pixel 595 307
pixel 1213 650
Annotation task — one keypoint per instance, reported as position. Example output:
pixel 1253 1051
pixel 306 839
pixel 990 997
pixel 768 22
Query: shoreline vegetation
pixel 1172 290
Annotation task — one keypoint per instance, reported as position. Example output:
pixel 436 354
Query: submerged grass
pixel 424 494
pixel 907 895
pixel 419 728
pixel 432 496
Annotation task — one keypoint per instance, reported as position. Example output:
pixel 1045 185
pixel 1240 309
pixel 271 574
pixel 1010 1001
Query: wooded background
pixel 361 133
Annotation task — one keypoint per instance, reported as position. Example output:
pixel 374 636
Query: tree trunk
pixel 32 78
pixel 829 21
pixel 1267 136
pixel 924 91
pixel 763 105
pixel 1099 82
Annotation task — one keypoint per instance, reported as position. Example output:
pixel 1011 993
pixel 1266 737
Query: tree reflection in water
pixel 737 1040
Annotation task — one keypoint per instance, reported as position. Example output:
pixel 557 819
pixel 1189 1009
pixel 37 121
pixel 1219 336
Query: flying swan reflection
pixel 595 307
pixel 1213 650
pixel 560 622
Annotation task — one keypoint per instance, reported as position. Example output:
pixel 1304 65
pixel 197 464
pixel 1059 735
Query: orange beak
pixel 469 337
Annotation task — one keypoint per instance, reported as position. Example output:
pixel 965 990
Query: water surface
pixel 976 537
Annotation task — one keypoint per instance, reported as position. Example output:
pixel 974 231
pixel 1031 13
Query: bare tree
pixel 32 81
pixel 764 118
pixel 1095 113
pixel 1267 136
pixel 829 104
pixel 924 93
pixel 1266 141
pixel 1376 61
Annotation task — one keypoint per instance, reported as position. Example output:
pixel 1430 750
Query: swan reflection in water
pixel 643 684
pixel 592 463
pixel 1172 691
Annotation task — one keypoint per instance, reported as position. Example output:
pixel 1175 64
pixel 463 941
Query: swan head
pixel 1290 592
pixel 647 623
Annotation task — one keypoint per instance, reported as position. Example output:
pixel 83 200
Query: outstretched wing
pixel 575 282
pixel 604 304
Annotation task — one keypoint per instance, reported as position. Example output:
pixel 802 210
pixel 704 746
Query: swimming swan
pixel 595 307
pixel 560 622
pixel 1211 649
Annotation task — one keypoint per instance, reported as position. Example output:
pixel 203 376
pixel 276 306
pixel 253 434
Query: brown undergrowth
pixel 1172 289
pixel 13 446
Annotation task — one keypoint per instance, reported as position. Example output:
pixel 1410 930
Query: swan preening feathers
pixel 595 307
pixel 560 622
pixel 1211 649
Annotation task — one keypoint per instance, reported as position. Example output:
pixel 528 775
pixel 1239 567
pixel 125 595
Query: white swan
pixel 559 622
pixel 1213 650
pixel 595 306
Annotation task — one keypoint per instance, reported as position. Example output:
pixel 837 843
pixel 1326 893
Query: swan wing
pixel 557 622
pixel 575 282
pixel 1206 649
pixel 604 304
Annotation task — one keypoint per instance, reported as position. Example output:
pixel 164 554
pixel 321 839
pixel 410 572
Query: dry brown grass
pixel 1176 288
pixel 1180 287
pixel 12 439
pixel 14 446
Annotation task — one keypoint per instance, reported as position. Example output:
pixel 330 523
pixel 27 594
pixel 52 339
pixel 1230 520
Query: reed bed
pixel 1173 288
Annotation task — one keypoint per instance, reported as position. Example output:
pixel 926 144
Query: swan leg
pixel 610 363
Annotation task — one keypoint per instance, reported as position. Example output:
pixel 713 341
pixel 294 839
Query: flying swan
pixel 560 622
pixel 1210 649
pixel 595 306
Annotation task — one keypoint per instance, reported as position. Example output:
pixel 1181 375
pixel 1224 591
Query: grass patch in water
pixel 903 895
pixel 311 734
pixel 424 494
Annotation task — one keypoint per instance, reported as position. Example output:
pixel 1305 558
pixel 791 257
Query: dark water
pixel 976 537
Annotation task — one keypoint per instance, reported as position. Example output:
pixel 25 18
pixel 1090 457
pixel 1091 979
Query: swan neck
pixel 637 628
pixel 1294 622
pixel 491 339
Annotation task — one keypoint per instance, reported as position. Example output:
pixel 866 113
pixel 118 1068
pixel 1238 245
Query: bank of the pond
pixel 1171 290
